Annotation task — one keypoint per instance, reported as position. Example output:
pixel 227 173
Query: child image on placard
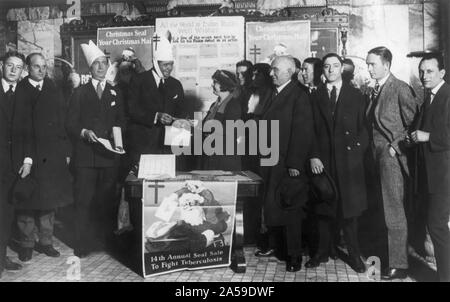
pixel 189 219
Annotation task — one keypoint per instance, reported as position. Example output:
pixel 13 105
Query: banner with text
pixel 114 40
pixel 187 225
pixel 262 38
pixel 201 46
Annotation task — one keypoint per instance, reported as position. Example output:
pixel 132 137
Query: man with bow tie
pixel 35 217
pixel 94 109
pixel 432 135
pixel 15 146
pixel 390 114
pixel 156 100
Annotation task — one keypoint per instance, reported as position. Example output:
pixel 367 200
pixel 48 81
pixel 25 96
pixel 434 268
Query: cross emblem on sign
pixel 156 39
pixel 156 186
pixel 255 52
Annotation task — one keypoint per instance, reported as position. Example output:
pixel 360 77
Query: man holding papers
pixel 155 100
pixel 95 114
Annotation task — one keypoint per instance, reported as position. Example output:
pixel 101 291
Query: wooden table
pixel 249 187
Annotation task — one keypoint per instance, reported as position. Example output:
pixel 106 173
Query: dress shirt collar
pixel 6 85
pixel 436 89
pixel 282 86
pixel 95 83
pixel 35 83
pixel 383 80
pixel 157 77
pixel 338 86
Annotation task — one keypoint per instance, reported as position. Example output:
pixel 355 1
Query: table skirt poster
pixel 187 225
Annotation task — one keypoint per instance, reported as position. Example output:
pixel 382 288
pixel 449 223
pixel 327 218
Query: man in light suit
pixel 433 160
pixel 391 111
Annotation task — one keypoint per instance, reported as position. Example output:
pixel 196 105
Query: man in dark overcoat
pixel 290 107
pixel 94 109
pixel 15 147
pixel 340 142
pixel 51 161
pixel 155 100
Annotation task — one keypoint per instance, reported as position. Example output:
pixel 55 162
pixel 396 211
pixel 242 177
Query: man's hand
pixel 68 160
pixel 316 165
pixel 392 152
pixel 90 136
pixel 181 123
pixel 25 170
pixel 164 118
pixel 420 136
pixel 293 172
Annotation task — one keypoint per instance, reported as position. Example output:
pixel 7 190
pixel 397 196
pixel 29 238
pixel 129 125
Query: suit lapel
pixel 382 99
pixel 323 102
pixel 276 100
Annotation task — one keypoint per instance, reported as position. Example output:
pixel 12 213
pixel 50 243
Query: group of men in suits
pixel 323 130
pixel 35 154
pixel 391 123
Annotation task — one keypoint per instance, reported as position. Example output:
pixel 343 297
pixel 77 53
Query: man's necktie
pixel 161 86
pixel 99 90
pixel 10 91
pixel 333 99
pixel 38 87
pixel 376 90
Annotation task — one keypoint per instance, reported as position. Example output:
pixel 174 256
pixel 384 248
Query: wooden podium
pixel 249 185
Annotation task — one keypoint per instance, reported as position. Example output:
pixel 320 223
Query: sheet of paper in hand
pixel 175 136
pixel 157 166
pixel 107 144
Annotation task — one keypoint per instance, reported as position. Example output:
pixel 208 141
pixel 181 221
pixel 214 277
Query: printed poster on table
pixel 114 40
pixel 201 46
pixel 187 225
pixel 262 37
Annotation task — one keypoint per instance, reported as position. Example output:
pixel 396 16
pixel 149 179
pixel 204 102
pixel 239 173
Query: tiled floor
pixel 101 267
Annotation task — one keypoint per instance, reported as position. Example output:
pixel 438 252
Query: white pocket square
pixel 175 97
pixel 113 104
pixel 113 93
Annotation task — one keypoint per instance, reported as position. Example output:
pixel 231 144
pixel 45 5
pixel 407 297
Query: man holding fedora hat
pixel 341 140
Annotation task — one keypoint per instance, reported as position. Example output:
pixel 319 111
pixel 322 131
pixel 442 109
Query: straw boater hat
pixel 91 52
pixel 162 49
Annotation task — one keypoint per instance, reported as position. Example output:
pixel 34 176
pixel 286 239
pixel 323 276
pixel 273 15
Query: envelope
pixel 177 137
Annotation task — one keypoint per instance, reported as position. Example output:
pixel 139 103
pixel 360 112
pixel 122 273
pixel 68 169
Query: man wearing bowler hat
pixel 341 139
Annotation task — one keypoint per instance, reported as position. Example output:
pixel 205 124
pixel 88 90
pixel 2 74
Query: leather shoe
pixel 294 264
pixel 265 253
pixel 333 253
pixel 357 265
pixel 49 250
pixel 394 273
pixel 11 266
pixel 81 252
pixel 316 261
pixel 25 254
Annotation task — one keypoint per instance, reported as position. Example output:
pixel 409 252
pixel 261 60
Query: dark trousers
pixel 287 240
pixel 328 228
pixel 95 200
pixel 6 218
pixel 35 223
pixel 437 222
